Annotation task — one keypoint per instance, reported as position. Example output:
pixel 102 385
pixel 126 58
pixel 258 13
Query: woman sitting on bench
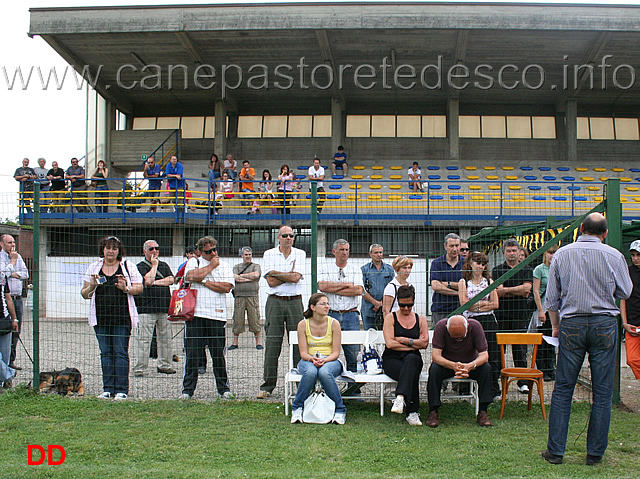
pixel 405 334
pixel 320 337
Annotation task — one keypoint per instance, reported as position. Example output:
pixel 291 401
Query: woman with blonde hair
pixel 402 265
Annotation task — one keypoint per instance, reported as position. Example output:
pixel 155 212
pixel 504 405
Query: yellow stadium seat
pixel 475 187
pixel 353 197
pixel 515 187
pixel 494 187
pixel 586 178
pixel 394 197
pixel 489 168
pixel 395 187
pixel 511 177
pixel 395 168
pixel 625 179
pixel 375 187
pixel 470 168
pixel 353 187
pixel 496 197
pixel 635 198
pixel 376 177
pixel 582 169
pixel 593 188
pixel 600 170
pixel 493 177
pixel 623 200
pixel 357 177
pixel 617 170
pixel 374 197
pixel 358 167
pixel 603 178
pixel 395 177
pixel 508 168
pixel 597 199
pixel 377 167
pixel 518 198
pixel 477 197
pixel 473 177
pixel 631 188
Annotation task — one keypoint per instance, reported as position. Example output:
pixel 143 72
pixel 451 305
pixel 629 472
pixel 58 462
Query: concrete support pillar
pixel 220 131
pixel 572 131
pixel 337 124
pixel 453 127
pixel 110 125
pixel 178 246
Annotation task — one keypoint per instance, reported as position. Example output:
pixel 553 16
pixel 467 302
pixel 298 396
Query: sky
pixel 51 124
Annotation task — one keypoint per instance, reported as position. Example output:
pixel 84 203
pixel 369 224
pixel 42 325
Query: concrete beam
pixel 453 127
pixel 337 124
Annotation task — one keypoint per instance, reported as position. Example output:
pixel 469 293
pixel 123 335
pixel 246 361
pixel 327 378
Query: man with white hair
pixel 460 350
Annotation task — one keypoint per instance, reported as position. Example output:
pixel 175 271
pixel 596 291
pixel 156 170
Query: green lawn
pixel 153 439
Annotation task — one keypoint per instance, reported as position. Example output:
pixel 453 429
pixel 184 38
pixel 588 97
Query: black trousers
pixel 438 373
pixel 546 361
pixel 512 322
pixel 490 326
pixel 198 333
pixel 406 370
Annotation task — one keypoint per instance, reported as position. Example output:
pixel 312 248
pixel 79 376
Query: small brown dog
pixel 65 382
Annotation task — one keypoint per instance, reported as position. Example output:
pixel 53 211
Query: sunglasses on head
pixel 210 251
pixel 406 305
pixel 288 235
pixel 154 248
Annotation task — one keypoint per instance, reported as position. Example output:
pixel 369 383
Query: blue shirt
pixel 155 183
pixel 374 283
pixel 443 272
pixel 586 277
pixel 174 183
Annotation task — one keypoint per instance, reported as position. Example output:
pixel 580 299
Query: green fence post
pixel 613 210
pixel 314 236
pixel 35 282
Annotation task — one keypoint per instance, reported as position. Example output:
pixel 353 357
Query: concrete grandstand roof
pixel 550 39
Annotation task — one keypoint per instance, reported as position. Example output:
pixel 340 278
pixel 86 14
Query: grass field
pixel 153 439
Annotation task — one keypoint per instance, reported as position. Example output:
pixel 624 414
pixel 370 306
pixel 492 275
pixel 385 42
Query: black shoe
pixel 232 347
pixel 593 460
pixel 551 458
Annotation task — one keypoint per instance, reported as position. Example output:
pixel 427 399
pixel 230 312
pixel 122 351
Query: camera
pixel 101 280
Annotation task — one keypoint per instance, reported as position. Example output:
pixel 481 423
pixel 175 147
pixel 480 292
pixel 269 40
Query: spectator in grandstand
pixel 459 350
pixel 215 168
pixel 175 182
pixel 25 176
pixel 630 313
pixel 57 190
pixel 247 174
pixel 514 313
pixel 446 272
pixel 464 249
pixel 153 304
pixel 376 275
pixel 76 174
pixel 213 280
pixel 585 279
pixel 7 373
pixel 415 177
pixel 41 173
pixel 246 293
pixel 14 269
pixel 522 254
pixel 99 182
pixel 223 192
pixel 110 283
pixel 284 268
pixel 402 265
pixel 341 281
pixel 546 360
pixel 340 161
pixel 285 186
pixel 230 167
pixel 475 278
pixel 319 338
pixel 405 334
pixel 316 173
pixel 153 173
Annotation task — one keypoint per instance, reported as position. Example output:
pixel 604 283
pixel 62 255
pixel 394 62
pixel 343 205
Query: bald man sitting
pixel 460 350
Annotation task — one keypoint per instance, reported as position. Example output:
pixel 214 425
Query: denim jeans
pixel 6 372
pixel 102 199
pixel 349 321
pixel 595 335
pixel 114 357
pixel 327 374
pixel 15 336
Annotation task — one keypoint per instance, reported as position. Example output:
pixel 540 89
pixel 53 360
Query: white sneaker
pixel 523 389
pixel 414 419
pixel 121 397
pixel 296 416
pixel 339 418
pixel 185 396
pixel 104 395
pixel 227 395
pixel 398 404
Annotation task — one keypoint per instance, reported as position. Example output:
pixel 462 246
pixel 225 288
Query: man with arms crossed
pixel 376 275
pixel 284 267
pixel 585 279
pixel 446 271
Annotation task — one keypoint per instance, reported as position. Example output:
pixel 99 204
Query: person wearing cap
pixel 630 312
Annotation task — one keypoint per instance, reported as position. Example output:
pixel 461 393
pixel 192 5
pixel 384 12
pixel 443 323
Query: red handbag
pixel 183 303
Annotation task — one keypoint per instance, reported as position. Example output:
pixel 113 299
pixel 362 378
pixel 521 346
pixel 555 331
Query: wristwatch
pixel 410 342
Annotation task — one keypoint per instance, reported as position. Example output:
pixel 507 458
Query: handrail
pixel 175 145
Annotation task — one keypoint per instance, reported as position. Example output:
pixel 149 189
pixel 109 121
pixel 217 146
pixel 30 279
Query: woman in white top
pixel 402 266
pixel 476 278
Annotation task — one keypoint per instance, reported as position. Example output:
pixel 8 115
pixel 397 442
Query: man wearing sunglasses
pixel 460 350
pixel 284 267
pixel 213 280
pixel 153 304
pixel 464 250
pixel 342 283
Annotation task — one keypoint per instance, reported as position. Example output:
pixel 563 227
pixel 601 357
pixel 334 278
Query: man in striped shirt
pixel 585 279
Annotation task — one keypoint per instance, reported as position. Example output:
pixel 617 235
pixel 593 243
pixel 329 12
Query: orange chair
pixel 508 375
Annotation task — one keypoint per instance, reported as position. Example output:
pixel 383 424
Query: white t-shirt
pixel 389 290
pixel 350 274
pixel 313 173
pixel 211 304
pixel 274 260
pixel 416 172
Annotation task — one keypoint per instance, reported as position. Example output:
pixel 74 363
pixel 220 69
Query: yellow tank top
pixel 323 345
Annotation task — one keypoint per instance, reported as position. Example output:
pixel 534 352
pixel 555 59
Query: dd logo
pixel 43 455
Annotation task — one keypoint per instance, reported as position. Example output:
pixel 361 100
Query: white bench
pixel 358 337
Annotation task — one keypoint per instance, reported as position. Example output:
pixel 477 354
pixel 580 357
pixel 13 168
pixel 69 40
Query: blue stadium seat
pixel 333 197
pixel 530 178
pixel 634 170
pixel 544 168
pixel 435 187
pixel 526 168
pixel 452 168
pixel 569 178
pixel 580 198
pixel 300 177
pixel 539 198
pixel 555 188
pixel 573 188
pixel 549 178
pixel 338 177
pixel 560 198
pixel 436 197
pixel 454 177
pixel 563 168
pixel 305 168
pixel 415 197
pixel 457 197
pixel 454 187
pixel 434 177
pixel 535 187
pixel 335 187
pixel 433 168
